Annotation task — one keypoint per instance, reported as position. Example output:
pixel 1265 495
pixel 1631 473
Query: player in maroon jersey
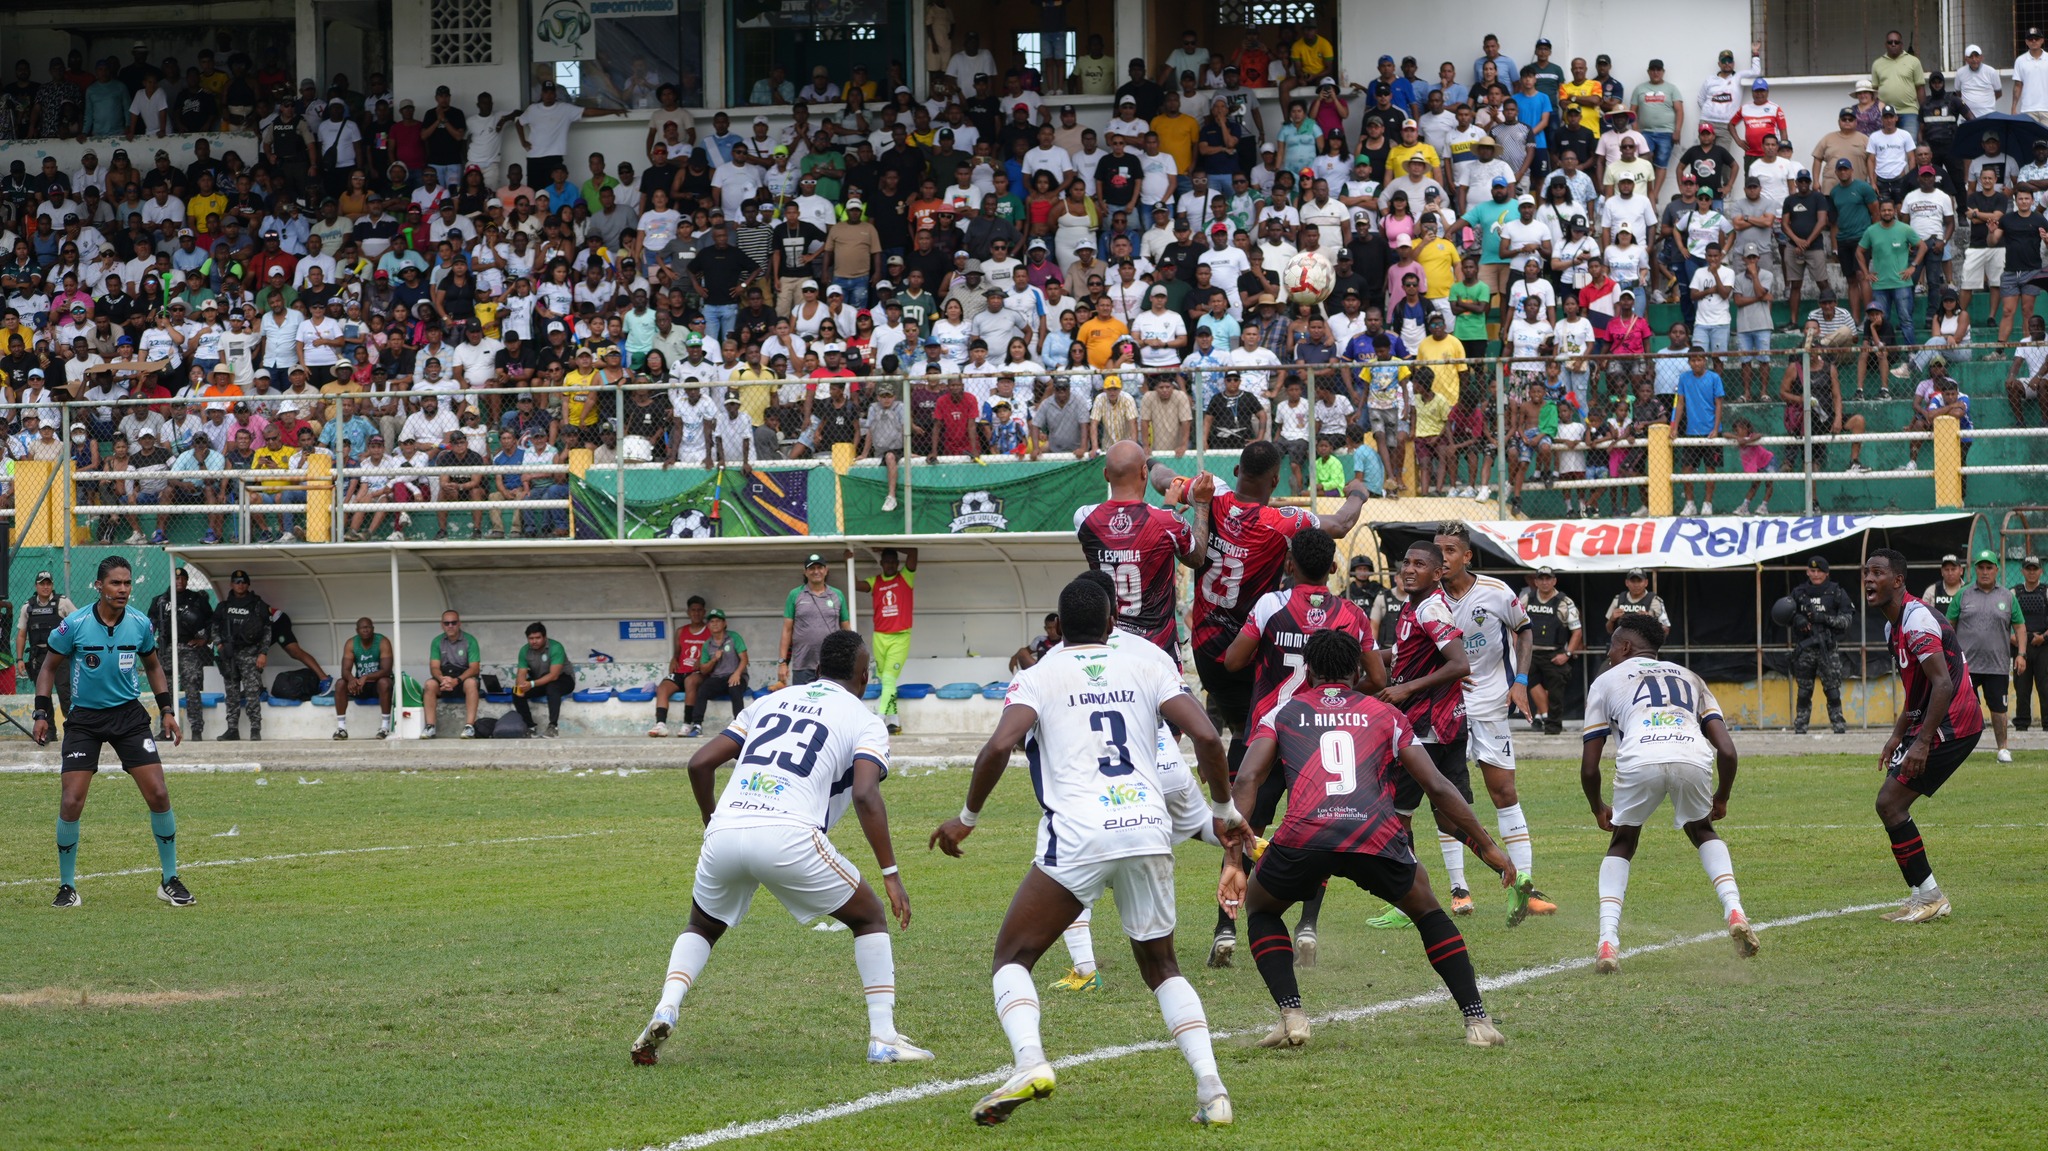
pixel 1345 756
pixel 1936 731
pixel 1271 643
pixel 1137 544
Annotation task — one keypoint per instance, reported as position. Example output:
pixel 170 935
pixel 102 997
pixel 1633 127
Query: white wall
pixel 502 79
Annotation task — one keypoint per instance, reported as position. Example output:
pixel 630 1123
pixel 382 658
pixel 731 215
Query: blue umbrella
pixel 2016 135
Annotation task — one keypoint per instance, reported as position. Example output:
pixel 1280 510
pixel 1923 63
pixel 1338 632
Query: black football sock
pixel 1446 950
pixel 1910 853
pixel 661 715
pixel 1311 909
pixel 1273 951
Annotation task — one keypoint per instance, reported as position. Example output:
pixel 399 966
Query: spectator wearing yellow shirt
pixel 1439 258
pixel 205 204
pixel 1102 333
pixel 1113 417
pixel 755 385
pixel 1438 350
pixel 1313 55
pixel 1432 415
pixel 1583 94
pixel 579 404
pixel 1411 144
pixel 274 455
pixel 1177 132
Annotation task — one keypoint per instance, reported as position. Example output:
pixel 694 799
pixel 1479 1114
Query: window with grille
pixel 1264 13
pixel 459 32
pixel 1825 38
pixel 1031 46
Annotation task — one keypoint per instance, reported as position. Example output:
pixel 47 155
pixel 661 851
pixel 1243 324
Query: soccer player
pixel 1247 546
pixel 1187 812
pixel 806 753
pixel 1345 755
pixel 99 648
pixel 1138 544
pixel 1668 729
pixel 1498 646
pixel 1090 711
pixel 1428 685
pixel 1276 635
pixel 1936 730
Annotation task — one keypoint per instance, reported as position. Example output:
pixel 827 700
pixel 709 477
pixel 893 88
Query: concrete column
pixel 716 15
pixel 1129 28
pixel 306 24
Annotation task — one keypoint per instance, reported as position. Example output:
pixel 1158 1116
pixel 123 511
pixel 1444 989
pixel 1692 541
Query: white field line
pixel 320 855
pixel 169 768
pixel 915 1092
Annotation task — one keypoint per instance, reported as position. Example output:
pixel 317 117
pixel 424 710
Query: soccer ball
pixel 1308 278
pixel 979 504
pixel 692 525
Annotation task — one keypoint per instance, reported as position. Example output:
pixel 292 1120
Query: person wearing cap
pixel 1557 633
pixel 1977 86
pixel 1990 627
pixel 1891 155
pixel 241 628
pixel 2031 680
pixel 1931 213
pixel 543 128
pixel 1721 94
pixel 1854 204
pixel 813 610
pixel 1636 596
pixel 852 255
pixel 1823 614
pixel 40 616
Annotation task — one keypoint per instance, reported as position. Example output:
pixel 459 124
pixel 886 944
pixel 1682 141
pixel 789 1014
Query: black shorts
pixel 1700 458
pixel 1449 759
pixel 1229 692
pixel 1295 873
pixel 1268 801
pixel 1942 762
pixel 1845 254
pixel 1992 688
pixel 126 728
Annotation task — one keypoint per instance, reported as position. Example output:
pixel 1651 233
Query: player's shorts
pixel 1143 886
pixel 797 865
pixel 1639 788
pixel 1942 762
pixel 1186 808
pixel 1229 697
pixel 124 728
pixel 1993 689
pixel 1297 873
pixel 1487 741
pixel 1449 759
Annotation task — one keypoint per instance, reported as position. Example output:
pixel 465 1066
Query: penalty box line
pixel 919 1091
pixel 320 855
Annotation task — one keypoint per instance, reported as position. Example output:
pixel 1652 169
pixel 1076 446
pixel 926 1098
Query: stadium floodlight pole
pixel 1806 421
pixel 1500 434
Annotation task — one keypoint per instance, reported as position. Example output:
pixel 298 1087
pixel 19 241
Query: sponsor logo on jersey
pixel 763 784
pixel 1094 673
pixel 1122 795
pixel 978 512
pixel 1663 719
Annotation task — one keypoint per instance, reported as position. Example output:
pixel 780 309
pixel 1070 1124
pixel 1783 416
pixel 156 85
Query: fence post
pixel 1948 462
pixel 619 463
pixel 339 530
pixel 70 495
pixel 1657 495
pixel 1806 419
pixel 909 450
pixel 1500 434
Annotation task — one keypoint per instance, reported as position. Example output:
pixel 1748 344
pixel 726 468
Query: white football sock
pixel 685 961
pixel 1017 1011
pixel 1454 858
pixel 1514 837
pixel 1721 872
pixel 341 723
pixel 1927 886
pixel 877 963
pixel 1182 1010
pixel 1613 886
pixel 1081 942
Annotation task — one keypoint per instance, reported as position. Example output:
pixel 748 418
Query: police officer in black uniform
pixel 241 625
pixel 1824 612
pixel 1557 634
pixel 2032 597
pixel 195 639
pixel 39 617
pixel 1373 598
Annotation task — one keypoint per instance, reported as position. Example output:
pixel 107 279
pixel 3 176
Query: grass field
pixel 474 991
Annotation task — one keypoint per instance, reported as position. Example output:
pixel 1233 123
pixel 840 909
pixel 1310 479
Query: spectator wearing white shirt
pixel 1256 364
pixel 313 260
pixel 1127 124
pixel 2030 79
pixel 475 360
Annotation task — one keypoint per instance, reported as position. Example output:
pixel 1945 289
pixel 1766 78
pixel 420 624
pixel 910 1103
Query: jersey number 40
pixel 1664 691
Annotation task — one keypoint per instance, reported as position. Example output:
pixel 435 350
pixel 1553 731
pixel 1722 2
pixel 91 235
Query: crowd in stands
pixel 342 269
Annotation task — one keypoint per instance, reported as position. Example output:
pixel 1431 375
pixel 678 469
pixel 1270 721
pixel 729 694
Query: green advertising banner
pixel 691 504
pixel 970 498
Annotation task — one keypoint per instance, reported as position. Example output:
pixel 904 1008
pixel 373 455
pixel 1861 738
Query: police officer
pixel 2032 596
pixel 241 625
pixel 1824 612
pixel 1637 597
pixel 39 617
pixel 1372 598
pixel 1558 634
pixel 195 637
pixel 1943 591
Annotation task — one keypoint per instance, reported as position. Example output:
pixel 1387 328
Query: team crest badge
pixel 979 511
pixel 1120 522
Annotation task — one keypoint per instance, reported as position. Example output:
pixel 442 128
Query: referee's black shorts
pixel 125 728
pixel 1294 874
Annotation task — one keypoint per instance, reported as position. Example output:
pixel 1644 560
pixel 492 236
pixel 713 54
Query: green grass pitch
pixel 471 991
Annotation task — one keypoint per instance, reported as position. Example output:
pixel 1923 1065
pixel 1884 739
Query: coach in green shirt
pixel 540 665
pixel 814 610
pixel 454 664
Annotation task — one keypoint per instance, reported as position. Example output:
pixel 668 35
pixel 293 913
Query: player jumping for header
pixel 98 648
pixel 1668 730
pixel 1344 755
pixel 806 753
pixel 1936 731
pixel 1090 712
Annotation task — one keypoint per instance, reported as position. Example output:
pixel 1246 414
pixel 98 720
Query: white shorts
pixel 1982 269
pixel 797 865
pixel 1639 789
pixel 1487 742
pixel 1143 886
pixel 1186 805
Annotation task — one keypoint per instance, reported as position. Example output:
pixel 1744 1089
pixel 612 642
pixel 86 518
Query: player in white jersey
pixel 1670 739
pixel 1186 811
pixel 806 754
pixel 1091 712
pixel 1498 641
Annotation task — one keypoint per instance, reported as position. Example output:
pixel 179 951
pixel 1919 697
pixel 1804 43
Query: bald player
pixel 1138 544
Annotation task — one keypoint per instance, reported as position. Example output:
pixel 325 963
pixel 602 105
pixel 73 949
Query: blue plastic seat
pixel 995 689
pixel 643 694
pixel 594 695
pixel 497 697
pixel 913 690
pixel 874 690
pixel 276 702
pixel 322 701
pixel 959 691
pixel 211 698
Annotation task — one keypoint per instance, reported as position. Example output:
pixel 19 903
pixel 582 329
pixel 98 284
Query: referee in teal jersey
pixel 99 647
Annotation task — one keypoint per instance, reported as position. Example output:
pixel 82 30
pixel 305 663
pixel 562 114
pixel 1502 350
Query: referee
pixel 99 647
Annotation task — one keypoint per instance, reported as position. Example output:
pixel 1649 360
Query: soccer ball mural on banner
pixel 692 525
pixel 1308 278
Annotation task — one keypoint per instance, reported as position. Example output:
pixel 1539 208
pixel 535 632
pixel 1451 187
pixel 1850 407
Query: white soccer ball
pixel 978 504
pixel 691 525
pixel 1308 278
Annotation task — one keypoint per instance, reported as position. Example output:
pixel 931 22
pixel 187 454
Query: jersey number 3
pixel 808 735
pixel 1116 744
